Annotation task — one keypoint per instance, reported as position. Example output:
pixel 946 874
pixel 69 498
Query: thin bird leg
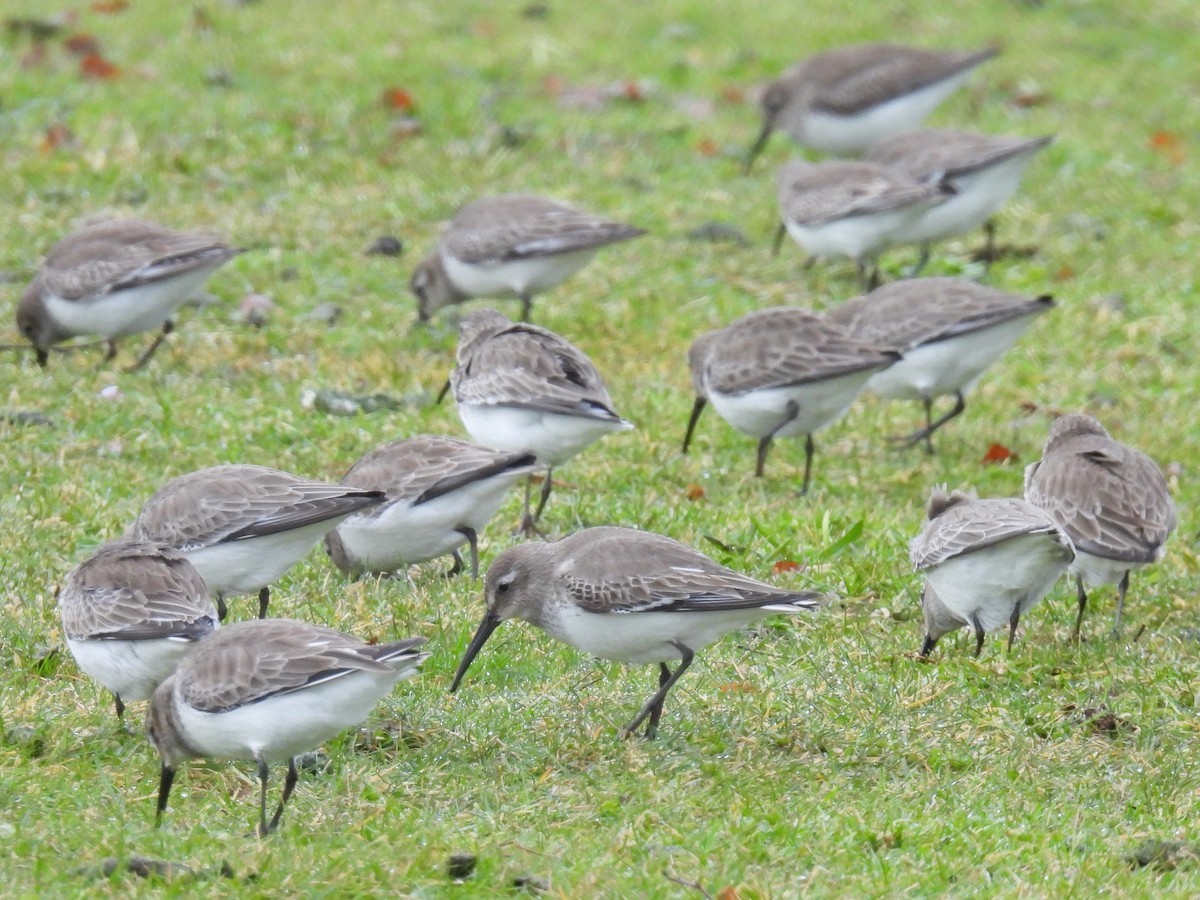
pixel 928 645
pixel 458 564
pixel 546 485
pixel 264 599
pixel 778 242
pixel 810 450
pixel 222 609
pixel 168 327
pixel 1122 587
pixel 528 526
pixel 289 785
pixel 472 542
pixel 120 705
pixel 1012 625
pixel 111 352
pixel 979 635
pixel 165 780
pixel 926 434
pixel 989 245
pixel 697 408
pixel 922 260
pixel 443 392
pixel 1082 595
pixel 659 695
pixel 664 675
pixel 868 275
pixel 790 411
pixel 263 829
pixel 526 306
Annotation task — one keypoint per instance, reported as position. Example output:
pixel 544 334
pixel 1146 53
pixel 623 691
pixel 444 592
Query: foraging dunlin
pixel 626 595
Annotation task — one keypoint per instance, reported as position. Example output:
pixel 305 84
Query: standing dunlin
pixel 842 101
pixel 511 245
pixel 441 492
pixel 114 279
pixel 626 595
pixel 267 691
pixel 1111 499
pixel 523 388
pixel 244 526
pixel 851 209
pixel 948 330
pixel 981 172
pixel 781 372
pixel 986 562
pixel 130 613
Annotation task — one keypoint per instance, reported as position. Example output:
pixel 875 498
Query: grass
pixel 805 758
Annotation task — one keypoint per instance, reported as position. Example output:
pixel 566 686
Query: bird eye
pixel 503 586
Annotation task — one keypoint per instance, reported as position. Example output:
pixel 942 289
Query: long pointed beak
pixel 761 142
pixel 443 392
pixel 697 408
pixel 486 627
pixel 165 780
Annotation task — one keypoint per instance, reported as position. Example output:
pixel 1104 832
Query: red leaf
pixel 110 6
pixel 786 565
pixel 82 44
pixel 694 492
pixel 96 68
pixel 397 98
pixel 1168 145
pixel 997 453
pixel 738 687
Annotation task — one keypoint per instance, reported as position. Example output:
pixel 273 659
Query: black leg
pixel 927 647
pixel 526 307
pixel 458 564
pixel 979 635
pixel 168 327
pixel 263 829
pixel 810 450
pixel 790 411
pixel 779 233
pixel 166 778
pixel 120 705
pixel 664 675
pixel 1122 587
pixel 222 609
pixel 546 485
pixel 989 245
pixel 697 408
pixel 661 694
pixel 264 600
pixel 764 444
pixel 443 392
pixel 1012 625
pixel 111 352
pixel 926 434
pixel 1082 595
pixel 528 526
pixel 922 260
pixel 289 785
pixel 472 542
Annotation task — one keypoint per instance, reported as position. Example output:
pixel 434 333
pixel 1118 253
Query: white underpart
pixel 988 583
pixel 980 195
pixel 858 236
pixel 132 669
pixel 402 534
pixel 759 413
pixel 554 437
pixel 851 135
pixel 645 637
pixel 943 367
pixel 130 311
pixel 244 567
pixel 514 278
pixel 283 726
pixel 1097 571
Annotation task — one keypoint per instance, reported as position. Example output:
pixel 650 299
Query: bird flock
pixel 143 615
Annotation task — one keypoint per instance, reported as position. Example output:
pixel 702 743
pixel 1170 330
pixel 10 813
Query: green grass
pixel 813 757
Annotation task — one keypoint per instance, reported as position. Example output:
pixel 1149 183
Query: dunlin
pixel 441 492
pixel 510 245
pixel 626 595
pixel 1111 499
pixel 116 278
pixel 268 691
pixel 522 388
pixel 130 613
pixel 948 330
pixel 851 209
pixel 244 526
pixel 986 562
pixel 781 372
pixel 842 101
pixel 981 171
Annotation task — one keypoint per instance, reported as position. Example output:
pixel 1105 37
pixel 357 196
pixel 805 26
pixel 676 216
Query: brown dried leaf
pixel 694 492
pixel 95 67
pixel 997 453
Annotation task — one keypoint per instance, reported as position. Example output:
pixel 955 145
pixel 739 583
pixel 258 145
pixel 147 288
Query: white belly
pixel 132 669
pixel 851 135
pixel 283 726
pixel 759 413
pixel 128 312
pixel 944 367
pixel 988 583
pixel 554 438
pixel 1097 571
pixel 402 534
pixel 515 278
pixel 856 237
pixel 980 196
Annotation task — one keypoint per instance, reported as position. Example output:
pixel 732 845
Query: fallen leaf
pixel 708 147
pixel 82 44
pixel 738 687
pixel 633 91
pixel 694 492
pixel 997 453
pixel 95 67
pixel 731 93
pixel 729 892
pixel 1168 145
pixel 786 565
pixel 1064 273
pixel 397 98
pixel 108 7
pixel 57 135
